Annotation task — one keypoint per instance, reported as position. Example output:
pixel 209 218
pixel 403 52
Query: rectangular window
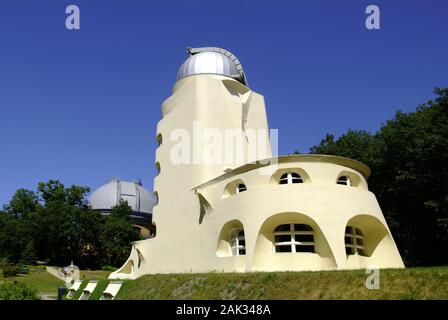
pixel 306 248
pixel 304 237
pixel 302 227
pixel 283 248
pixel 283 238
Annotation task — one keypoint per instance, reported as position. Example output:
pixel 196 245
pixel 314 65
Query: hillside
pixel 412 283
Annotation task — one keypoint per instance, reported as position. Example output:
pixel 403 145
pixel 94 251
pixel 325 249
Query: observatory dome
pixel 110 194
pixel 211 60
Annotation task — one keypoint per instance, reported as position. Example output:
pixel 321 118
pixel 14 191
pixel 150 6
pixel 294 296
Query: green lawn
pixel 41 280
pixel 411 283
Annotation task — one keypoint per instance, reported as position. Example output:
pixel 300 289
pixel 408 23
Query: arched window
pixel 354 241
pixel 344 180
pixel 238 243
pixel 294 237
pixel 158 167
pixel 290 177
pixel 240 188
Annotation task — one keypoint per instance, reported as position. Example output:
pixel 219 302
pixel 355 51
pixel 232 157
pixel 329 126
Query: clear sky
pixel 82 105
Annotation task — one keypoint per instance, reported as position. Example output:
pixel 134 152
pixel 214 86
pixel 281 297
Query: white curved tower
pixel 242 212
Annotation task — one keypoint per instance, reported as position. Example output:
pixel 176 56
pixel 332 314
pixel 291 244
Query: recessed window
pixel 238 243
pixel 240 188
pixel 344 180
pixel 159 139
pixel 156 196
pixel 290 177
pixel 354 241
pixel 294 237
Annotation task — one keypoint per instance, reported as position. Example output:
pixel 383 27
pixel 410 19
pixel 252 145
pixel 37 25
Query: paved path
pixel 55 272
pixel 48 296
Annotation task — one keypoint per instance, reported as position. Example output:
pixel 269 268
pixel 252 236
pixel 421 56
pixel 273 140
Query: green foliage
pixel 108 268
pixel 17 291
pixel 409 161
pixel 57 225
pixel 29 255
pixel 118 233
pixel 10 271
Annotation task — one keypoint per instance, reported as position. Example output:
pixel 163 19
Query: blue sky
pixel 82 105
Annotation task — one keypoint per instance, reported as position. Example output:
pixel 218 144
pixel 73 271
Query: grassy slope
pixel 412 283
pixel 88 275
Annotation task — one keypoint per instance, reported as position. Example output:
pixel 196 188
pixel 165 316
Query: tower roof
pixel 212 60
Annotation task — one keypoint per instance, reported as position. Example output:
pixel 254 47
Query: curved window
pixel 158 167
pixel 240 188
pixel 290 177
pixel 344 180
pixel 238 243
pixel 354 241
pixel 294 237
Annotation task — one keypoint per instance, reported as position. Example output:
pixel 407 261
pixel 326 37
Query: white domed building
pixel 227 209
pixel 138 198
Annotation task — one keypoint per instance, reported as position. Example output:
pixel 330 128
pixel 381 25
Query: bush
pixel 108 268
pixel 24 269
pixel 10 271
pixel 17 291
pixel 3 262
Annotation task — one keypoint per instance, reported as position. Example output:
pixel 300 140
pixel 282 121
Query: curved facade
pixel 290 213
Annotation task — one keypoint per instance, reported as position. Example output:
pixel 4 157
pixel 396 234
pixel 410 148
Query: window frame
pixel 293 243
pixel 355 248
pixel 236 247
pixel 347 182
pixel 240 187
pixel 290 177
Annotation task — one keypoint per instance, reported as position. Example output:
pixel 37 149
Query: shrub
pixel 108 268
pixel 17 291
pixel 10 271
pixel 3 262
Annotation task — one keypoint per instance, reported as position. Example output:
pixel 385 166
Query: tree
pixel 409 161
pixel 56 224
pixel 29 255
pixel 118 233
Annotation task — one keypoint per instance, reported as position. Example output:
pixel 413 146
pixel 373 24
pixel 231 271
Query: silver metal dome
pixel 110 194
pixel 211 60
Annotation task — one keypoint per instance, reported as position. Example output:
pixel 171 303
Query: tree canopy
pixel 408 156
pixel 56 224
